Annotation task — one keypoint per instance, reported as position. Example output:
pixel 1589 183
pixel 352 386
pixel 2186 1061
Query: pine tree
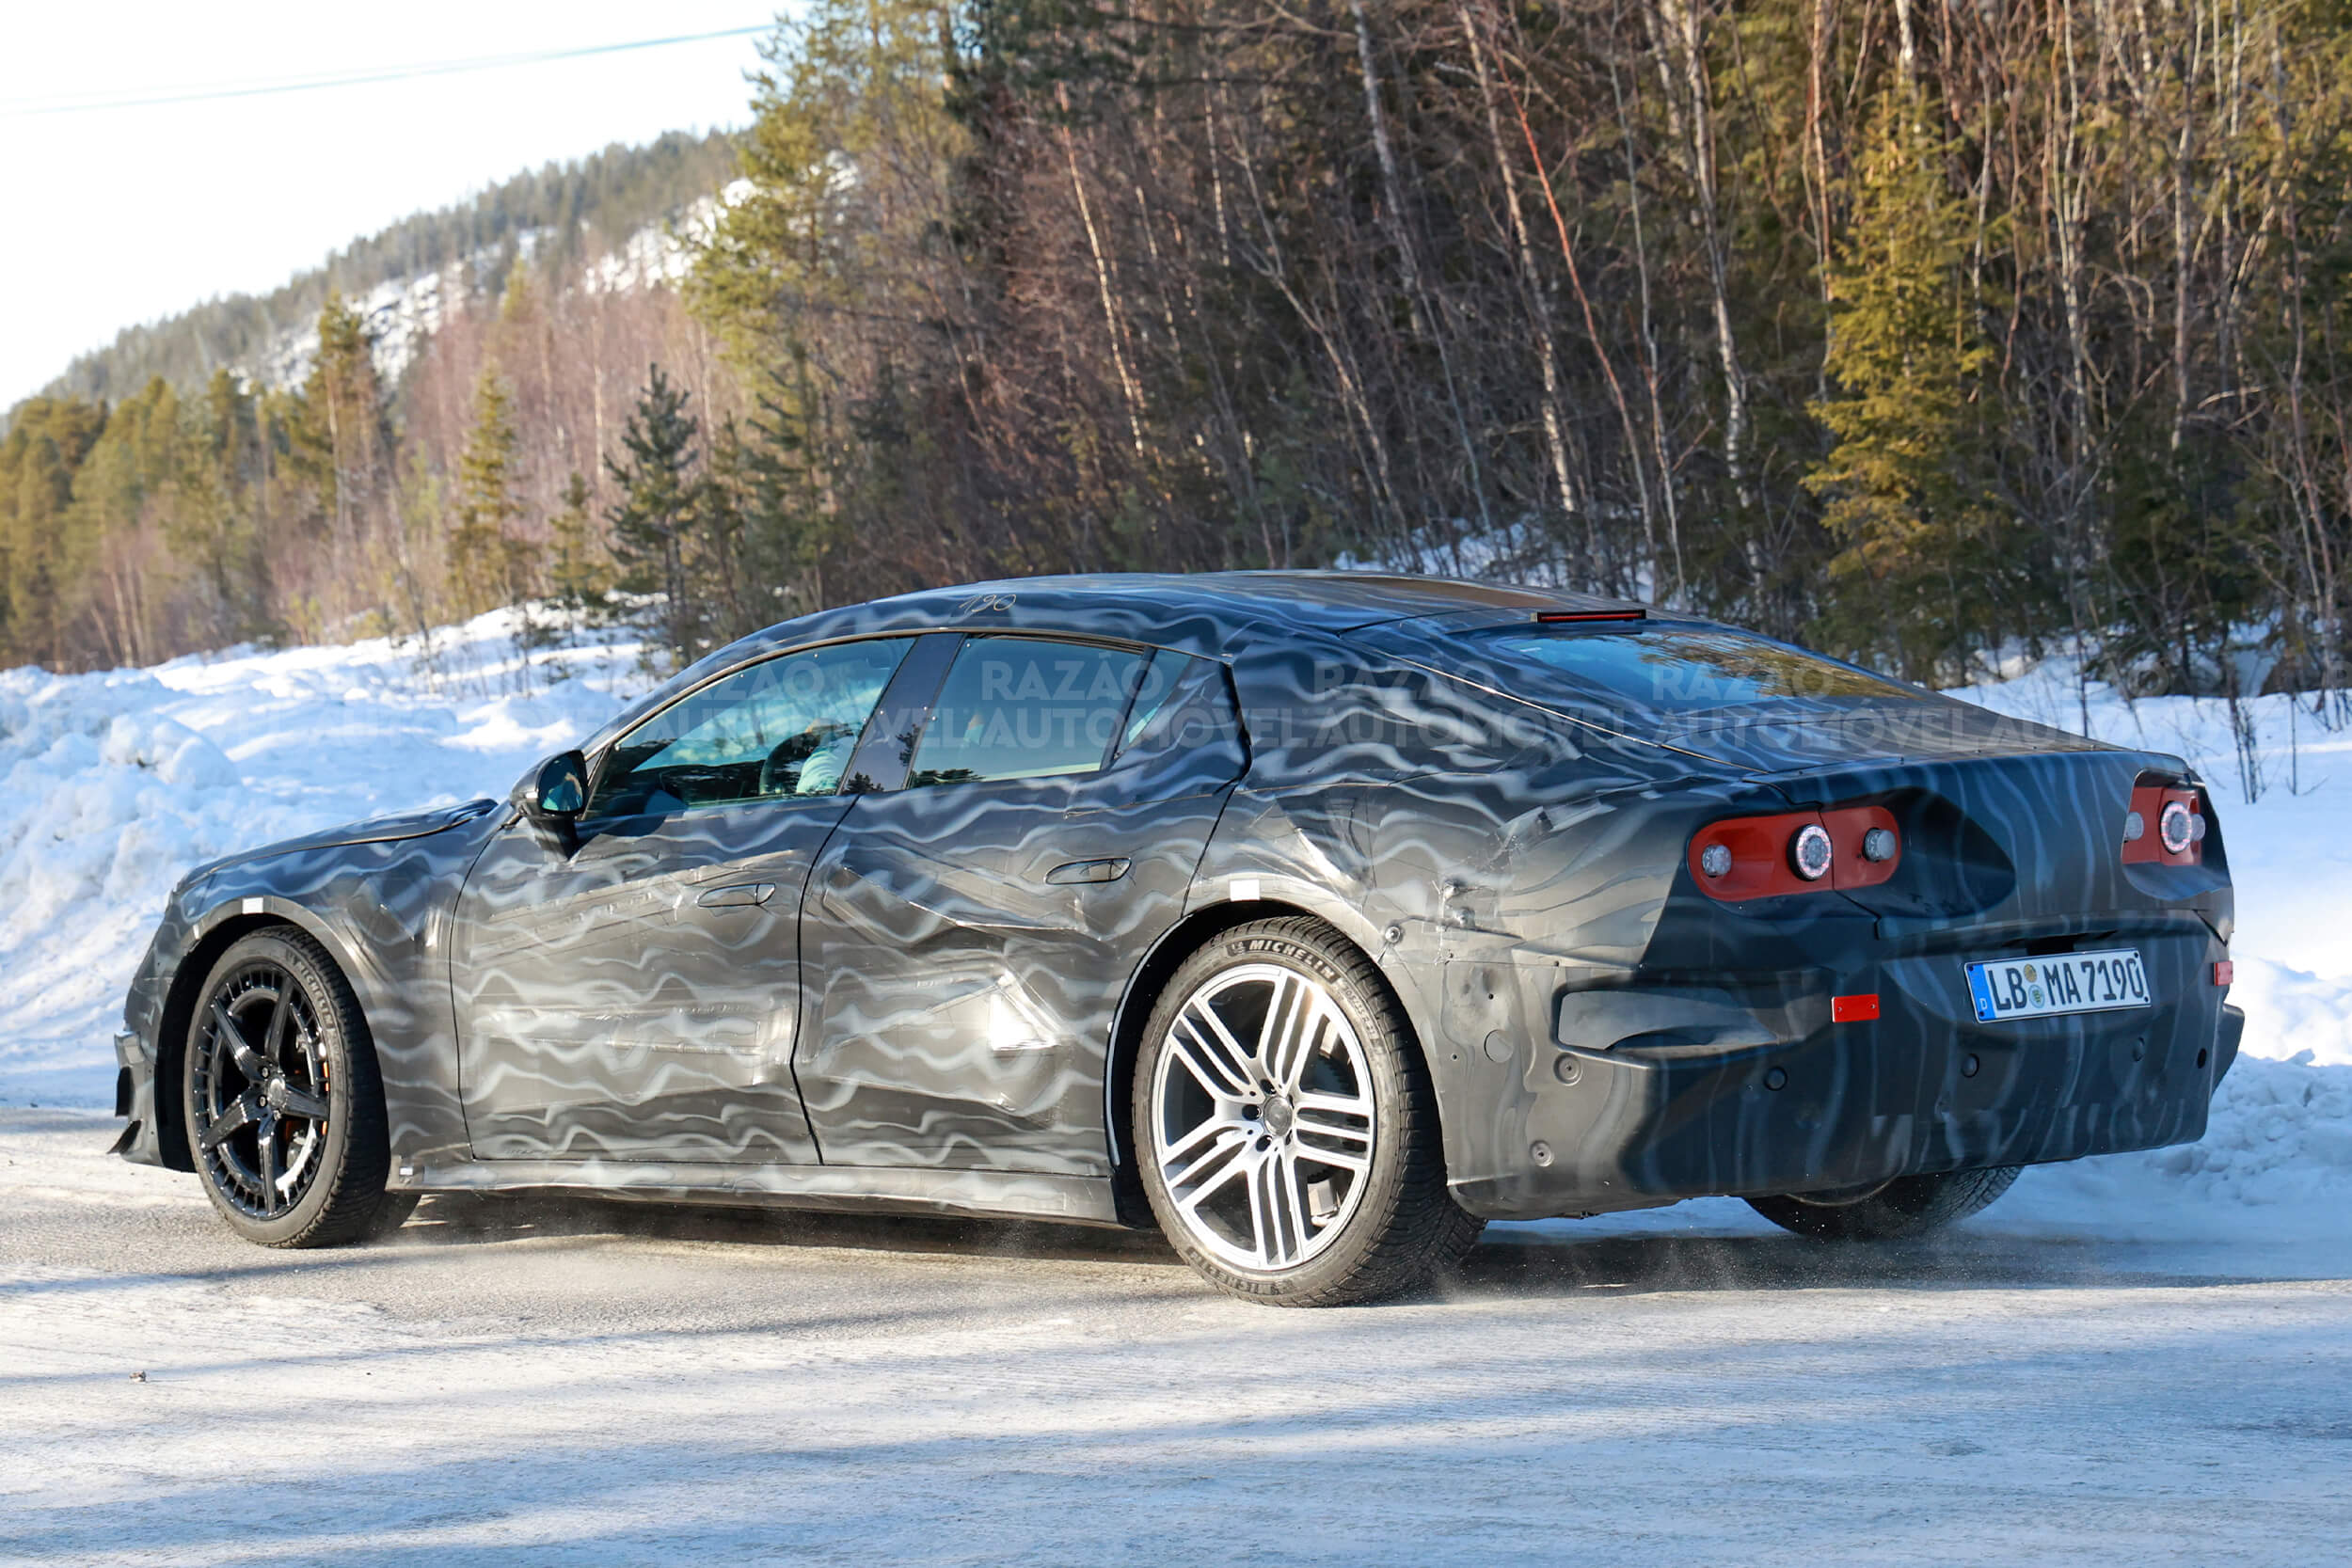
pixel 35 551
pixel 729 552
pixel 577 572
pixel 47 441
pixel 791 526
pixel 341 435
pixel 110 568
pixel 1904 486
pixel 215 525
pixel 488 565
pixel 654 522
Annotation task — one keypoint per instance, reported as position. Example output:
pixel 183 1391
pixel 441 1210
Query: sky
pixel 118 216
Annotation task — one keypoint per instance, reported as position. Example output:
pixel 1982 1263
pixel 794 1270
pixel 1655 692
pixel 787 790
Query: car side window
pixel 1026 707
pixel 782 728
pixel 1183 733
pixel 1161 676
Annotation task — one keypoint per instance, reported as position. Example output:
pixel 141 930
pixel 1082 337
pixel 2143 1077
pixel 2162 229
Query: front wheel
pixel 1285 1124
pixel 284 1110
pixel 1892 1210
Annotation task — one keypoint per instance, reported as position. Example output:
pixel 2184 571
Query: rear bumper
pixel 1753 1090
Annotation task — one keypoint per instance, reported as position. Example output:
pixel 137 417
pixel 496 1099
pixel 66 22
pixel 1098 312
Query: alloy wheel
pixel 261 1090
pixel 1261 1117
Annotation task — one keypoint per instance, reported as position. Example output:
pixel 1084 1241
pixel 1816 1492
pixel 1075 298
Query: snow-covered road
pixel 615 1385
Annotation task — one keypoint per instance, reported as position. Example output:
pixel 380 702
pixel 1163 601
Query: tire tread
pixel 1907 1207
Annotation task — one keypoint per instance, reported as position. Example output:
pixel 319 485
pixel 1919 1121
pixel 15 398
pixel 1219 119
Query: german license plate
pixel 2056 983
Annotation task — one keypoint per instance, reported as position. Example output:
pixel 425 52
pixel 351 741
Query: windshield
pixel 1655 671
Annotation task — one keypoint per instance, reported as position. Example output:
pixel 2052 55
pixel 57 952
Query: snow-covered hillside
pixel 112 784
pixel 402 314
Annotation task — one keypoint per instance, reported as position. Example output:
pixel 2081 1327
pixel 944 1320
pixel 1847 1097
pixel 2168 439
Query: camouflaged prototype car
pixel 1318 918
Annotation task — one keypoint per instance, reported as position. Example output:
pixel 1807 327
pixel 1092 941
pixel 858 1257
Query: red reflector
pixel 1854 1009
pixel 2224 972
pixel 1552 617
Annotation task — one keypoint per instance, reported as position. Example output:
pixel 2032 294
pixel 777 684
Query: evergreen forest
pixel 1931 335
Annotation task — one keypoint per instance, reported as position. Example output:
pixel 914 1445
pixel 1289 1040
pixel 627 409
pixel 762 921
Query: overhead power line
pixel 150 98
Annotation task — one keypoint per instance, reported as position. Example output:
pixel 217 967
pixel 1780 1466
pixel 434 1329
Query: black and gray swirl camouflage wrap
pixel 926 989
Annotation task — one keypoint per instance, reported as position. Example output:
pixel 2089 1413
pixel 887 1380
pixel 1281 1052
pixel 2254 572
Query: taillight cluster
pixel 1797 851
pixel 2166 826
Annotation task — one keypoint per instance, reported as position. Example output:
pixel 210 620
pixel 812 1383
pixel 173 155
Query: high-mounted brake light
pixel 1558 617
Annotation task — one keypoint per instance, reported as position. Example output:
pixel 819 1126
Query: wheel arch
pixel 1144 988
pixel 188 985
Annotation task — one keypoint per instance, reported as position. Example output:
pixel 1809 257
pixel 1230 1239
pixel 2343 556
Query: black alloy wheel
pixel 285 1113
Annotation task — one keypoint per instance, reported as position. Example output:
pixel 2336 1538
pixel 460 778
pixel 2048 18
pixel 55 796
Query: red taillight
pixel 1761 857
pixel 1854 1009
pixel 2165 826
pixel 2224 972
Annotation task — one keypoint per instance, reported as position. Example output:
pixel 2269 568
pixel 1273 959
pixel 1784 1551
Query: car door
pixel 970 931
pixel 634 993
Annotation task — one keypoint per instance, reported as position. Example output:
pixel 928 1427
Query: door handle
pixel 740 896
pixel 1088 871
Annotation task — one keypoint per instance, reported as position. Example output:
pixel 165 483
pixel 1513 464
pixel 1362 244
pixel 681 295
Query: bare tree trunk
pixel 1647 344
pixel 1547 351
pixel 1111 323
pixel 1679 28
pixel 1217 178
pixel 1362 420
pixel 1817 163
pixel 1591 330
pixel 1408 259
pixel 2069 193
pixel 2312 514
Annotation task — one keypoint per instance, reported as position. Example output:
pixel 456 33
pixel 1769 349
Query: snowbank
pixel 2275 1165
pixel 111 785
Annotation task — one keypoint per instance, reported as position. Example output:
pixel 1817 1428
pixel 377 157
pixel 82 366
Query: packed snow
pixel 521 1383
pixel 115 784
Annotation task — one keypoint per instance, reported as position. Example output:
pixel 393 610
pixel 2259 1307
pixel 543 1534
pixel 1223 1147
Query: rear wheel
pixel 1892 1210
pixel 1285 1124
pixel 284 1110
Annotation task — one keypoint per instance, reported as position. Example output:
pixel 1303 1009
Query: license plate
pixel 2056 983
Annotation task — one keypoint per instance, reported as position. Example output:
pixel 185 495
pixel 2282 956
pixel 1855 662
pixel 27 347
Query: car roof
pixel 1201 611
pixel 1212 614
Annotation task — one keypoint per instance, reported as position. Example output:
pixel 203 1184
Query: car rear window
pixel 1664 669
pixel 1024 707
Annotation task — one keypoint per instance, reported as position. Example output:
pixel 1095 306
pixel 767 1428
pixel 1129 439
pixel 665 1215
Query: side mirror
pixel 561 791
